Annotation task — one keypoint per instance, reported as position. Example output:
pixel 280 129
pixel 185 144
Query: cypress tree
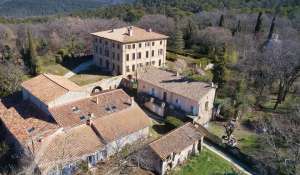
pixel 258 23
pixel 221 22
pixel 271 29
pixel 32 55
pixel 178 42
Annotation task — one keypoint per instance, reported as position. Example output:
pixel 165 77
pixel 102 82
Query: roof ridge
pixel 47 76
pixel 170 132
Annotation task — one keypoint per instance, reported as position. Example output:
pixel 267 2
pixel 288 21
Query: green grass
pixel 248 141
pixel 55 69
pixel 206 163
pixel 91 75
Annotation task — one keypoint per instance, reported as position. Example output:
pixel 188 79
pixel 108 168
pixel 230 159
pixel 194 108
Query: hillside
pixel 21 8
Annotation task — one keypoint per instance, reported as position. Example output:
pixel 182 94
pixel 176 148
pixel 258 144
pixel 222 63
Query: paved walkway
pixel 234 162
pixel 81 67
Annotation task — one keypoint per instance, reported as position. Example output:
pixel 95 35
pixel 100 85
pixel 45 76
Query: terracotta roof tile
pixel 122 123
pixel 176 140
pixel 177 84
pixel 69 115
pixel 67 146
pixel 48 87
pixel 121 35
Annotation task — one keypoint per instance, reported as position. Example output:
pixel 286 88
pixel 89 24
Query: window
pixel 147 63
pixel 139 55
pixel 147 44
pixel 106 53
pixel 147 54
pixel 152 53
pixel 100 61
pixel 100 50
pixel 118 57
pixel 152 91
pixel 128 46
pixel 133 68
pixel 160 51
pixel 159 62
pixel 153 43
pixel 127 69
pixel 133 46
pixel 106 43
pixel 192 109
pixel 153 62
pixel 140 45
pixel 100 41
pixel 127 57
pixel 133 56
pixel 113 45
pixel 160 42
pixel 206 106
pixel 118 46
pixel 113 55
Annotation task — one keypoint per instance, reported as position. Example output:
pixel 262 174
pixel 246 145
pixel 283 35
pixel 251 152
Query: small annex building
pixel 175 147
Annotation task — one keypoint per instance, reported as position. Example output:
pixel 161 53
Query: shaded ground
pixel 90 75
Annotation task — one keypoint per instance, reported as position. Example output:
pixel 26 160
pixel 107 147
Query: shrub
pixel 173 121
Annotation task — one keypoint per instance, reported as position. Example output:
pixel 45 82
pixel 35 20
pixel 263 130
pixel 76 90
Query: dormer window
pixel 75 109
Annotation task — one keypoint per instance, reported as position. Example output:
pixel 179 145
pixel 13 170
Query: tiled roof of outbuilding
pixel 176 140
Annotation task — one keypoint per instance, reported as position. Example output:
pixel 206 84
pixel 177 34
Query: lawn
pixel 206 163
pixel 91 75
pixel 55 69
pixel 248 141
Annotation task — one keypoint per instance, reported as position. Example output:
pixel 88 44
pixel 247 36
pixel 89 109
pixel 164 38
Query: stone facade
pixel 200 111
pixel 124 58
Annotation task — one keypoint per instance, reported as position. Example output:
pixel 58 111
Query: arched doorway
pixel 96 90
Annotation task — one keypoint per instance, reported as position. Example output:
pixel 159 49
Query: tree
pixel 221 22
pixel 177 41
pixel 271 29
pixel 219 68
pixel 258 25
pixel 10 78
pixel 32 54
pixel 281 134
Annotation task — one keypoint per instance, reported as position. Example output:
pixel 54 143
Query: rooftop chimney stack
pixel 130 31
pixel 149 30
pixel 97 100
pixel 132 101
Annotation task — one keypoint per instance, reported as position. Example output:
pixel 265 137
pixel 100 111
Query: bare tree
pixel 281 133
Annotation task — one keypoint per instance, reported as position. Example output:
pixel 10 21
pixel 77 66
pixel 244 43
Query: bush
pixel 173 121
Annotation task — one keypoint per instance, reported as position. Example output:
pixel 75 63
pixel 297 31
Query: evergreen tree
pixel 258 23
pixel 271 29
pixel 221 22
pixel 177 41
pixel 219 68
pixel 32 54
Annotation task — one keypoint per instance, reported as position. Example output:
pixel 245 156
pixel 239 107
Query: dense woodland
pixel 257 73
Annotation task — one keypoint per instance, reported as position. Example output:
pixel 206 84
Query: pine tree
pixel 221 23
pixel 32 54
pixel 271 28
pixel 258 23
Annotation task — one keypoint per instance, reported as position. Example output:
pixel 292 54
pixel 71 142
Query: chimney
pixel 149 30
pixel 177 74
pixel 97 100
pixel 212 84
pixel 130 31
pixel 112 30
pixel 88 122
pixel 132 101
